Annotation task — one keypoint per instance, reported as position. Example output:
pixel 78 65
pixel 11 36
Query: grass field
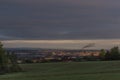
pixel 106 70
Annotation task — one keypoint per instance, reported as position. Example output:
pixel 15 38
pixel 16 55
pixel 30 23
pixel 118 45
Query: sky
pixel 59 20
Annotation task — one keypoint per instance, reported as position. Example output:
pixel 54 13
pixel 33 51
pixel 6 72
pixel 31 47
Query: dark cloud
pixel 59 19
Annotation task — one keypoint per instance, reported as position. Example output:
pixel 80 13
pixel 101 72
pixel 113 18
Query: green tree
pixel 5 66
pixel 107 55
pixel 14 66
pixel 3 60
pixel 115 54
pixel 102 54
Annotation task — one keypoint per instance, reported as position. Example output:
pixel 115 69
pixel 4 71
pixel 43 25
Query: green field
pixel 106 70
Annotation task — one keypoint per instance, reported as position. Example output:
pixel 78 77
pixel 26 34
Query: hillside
pixel 108 70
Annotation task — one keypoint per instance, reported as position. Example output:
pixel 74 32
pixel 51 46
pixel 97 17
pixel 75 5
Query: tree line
pixel 112 54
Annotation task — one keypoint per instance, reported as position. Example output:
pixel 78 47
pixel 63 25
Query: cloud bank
pixel 59 19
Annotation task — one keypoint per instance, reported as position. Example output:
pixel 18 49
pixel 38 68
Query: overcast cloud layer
pixel 59 19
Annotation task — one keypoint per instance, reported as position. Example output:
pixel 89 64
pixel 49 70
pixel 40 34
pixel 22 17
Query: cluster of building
pixel 54 55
